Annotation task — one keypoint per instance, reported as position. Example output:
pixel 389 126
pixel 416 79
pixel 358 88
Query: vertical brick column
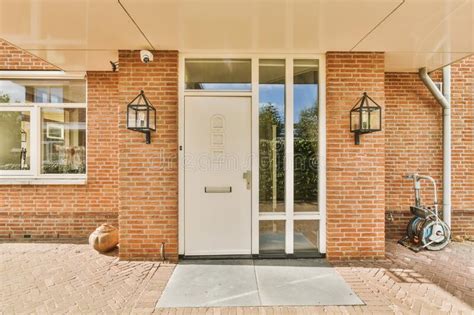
pixel 148 188
pixel 355 173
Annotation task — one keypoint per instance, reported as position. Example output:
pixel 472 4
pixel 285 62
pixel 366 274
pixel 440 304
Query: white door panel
pixel 217 154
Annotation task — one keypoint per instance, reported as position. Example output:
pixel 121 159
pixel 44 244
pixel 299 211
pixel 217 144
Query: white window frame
pixel 34 175
pixel 290 216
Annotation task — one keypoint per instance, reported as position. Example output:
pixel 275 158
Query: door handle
pixel 248 178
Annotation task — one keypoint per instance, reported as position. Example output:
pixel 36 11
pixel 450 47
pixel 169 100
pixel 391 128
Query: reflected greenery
pixel 272 137
pixel 306 156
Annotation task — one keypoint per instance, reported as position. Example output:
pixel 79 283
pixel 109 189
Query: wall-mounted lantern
pixel 141 116
pixel 366 117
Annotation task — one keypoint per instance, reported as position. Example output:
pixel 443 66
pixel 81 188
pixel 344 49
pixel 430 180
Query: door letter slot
pixel 218 190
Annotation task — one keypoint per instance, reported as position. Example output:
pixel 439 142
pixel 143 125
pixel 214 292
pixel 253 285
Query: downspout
pixel 445 102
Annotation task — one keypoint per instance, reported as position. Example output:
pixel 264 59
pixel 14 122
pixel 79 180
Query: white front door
pixel 217 148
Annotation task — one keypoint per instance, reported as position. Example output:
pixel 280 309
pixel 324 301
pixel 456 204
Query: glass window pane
pixel 306 236
pixel 305 124
pixel 63 140
pixel 218 74
pixel 272 236
pixel 42 91
pixel 272 135
pixel 15 140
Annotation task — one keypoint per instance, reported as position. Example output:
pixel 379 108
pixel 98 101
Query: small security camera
pixel 146 56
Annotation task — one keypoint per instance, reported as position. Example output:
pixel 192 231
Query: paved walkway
pixel 67 278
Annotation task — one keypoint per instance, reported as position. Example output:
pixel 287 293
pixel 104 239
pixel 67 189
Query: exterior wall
pixel 414 144
pixel 73 211
pixel 462 99
pixel 355 173
pixel 14 58
pixel 148 182
pixel 135 185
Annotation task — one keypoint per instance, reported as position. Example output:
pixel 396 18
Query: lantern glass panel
pixel 355 124
pixel 375 119
pixel 141 119
pixel 152 120
pixel 131 118
pixel 365 119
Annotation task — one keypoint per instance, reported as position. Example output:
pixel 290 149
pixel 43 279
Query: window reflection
pixel 305 124
pixel 43 91
pixel 14 140
pixel 272 236
pixel 218 74
pixel 272 135
pixel 306 235
pixel 63 140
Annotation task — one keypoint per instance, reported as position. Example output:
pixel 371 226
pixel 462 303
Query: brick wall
pixel 462 100
pixel 136 185
pixel 58 211
pixel 148 212
pixel 14 58
pixel 355 173
pixel 414 144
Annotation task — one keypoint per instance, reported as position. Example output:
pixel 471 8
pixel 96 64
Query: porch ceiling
pixel 86 34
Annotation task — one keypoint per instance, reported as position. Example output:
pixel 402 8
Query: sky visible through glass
pixel 305 96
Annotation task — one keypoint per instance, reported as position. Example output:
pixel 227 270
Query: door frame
pixel 256 216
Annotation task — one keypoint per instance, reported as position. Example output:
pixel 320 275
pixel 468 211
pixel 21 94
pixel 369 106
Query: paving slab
pixel 211 283
pixel 302 282
pixel 267 282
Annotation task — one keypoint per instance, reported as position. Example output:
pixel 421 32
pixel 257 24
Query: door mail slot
pixel 218 190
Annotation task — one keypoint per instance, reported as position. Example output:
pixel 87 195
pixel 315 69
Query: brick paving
pixel 72 278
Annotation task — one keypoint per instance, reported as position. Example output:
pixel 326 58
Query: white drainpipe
pixel 445 102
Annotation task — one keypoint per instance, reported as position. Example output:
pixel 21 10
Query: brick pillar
pixel 148 186
pixel 355 173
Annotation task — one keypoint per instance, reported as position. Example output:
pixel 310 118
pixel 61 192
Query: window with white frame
pixel 42 128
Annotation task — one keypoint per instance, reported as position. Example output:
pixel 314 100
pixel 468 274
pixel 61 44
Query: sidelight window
pixel 272 135
pixel 305 133
pixel 288 100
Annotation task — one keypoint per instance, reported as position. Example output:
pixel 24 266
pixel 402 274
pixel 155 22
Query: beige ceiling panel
pixel 258 25
pixel 426 26
pixel 345 23
pixel 79 60
pixel 68 24
pixel 197 25
pixel 411 62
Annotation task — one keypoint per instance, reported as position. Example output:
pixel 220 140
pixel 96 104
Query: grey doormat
pixel 256 283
